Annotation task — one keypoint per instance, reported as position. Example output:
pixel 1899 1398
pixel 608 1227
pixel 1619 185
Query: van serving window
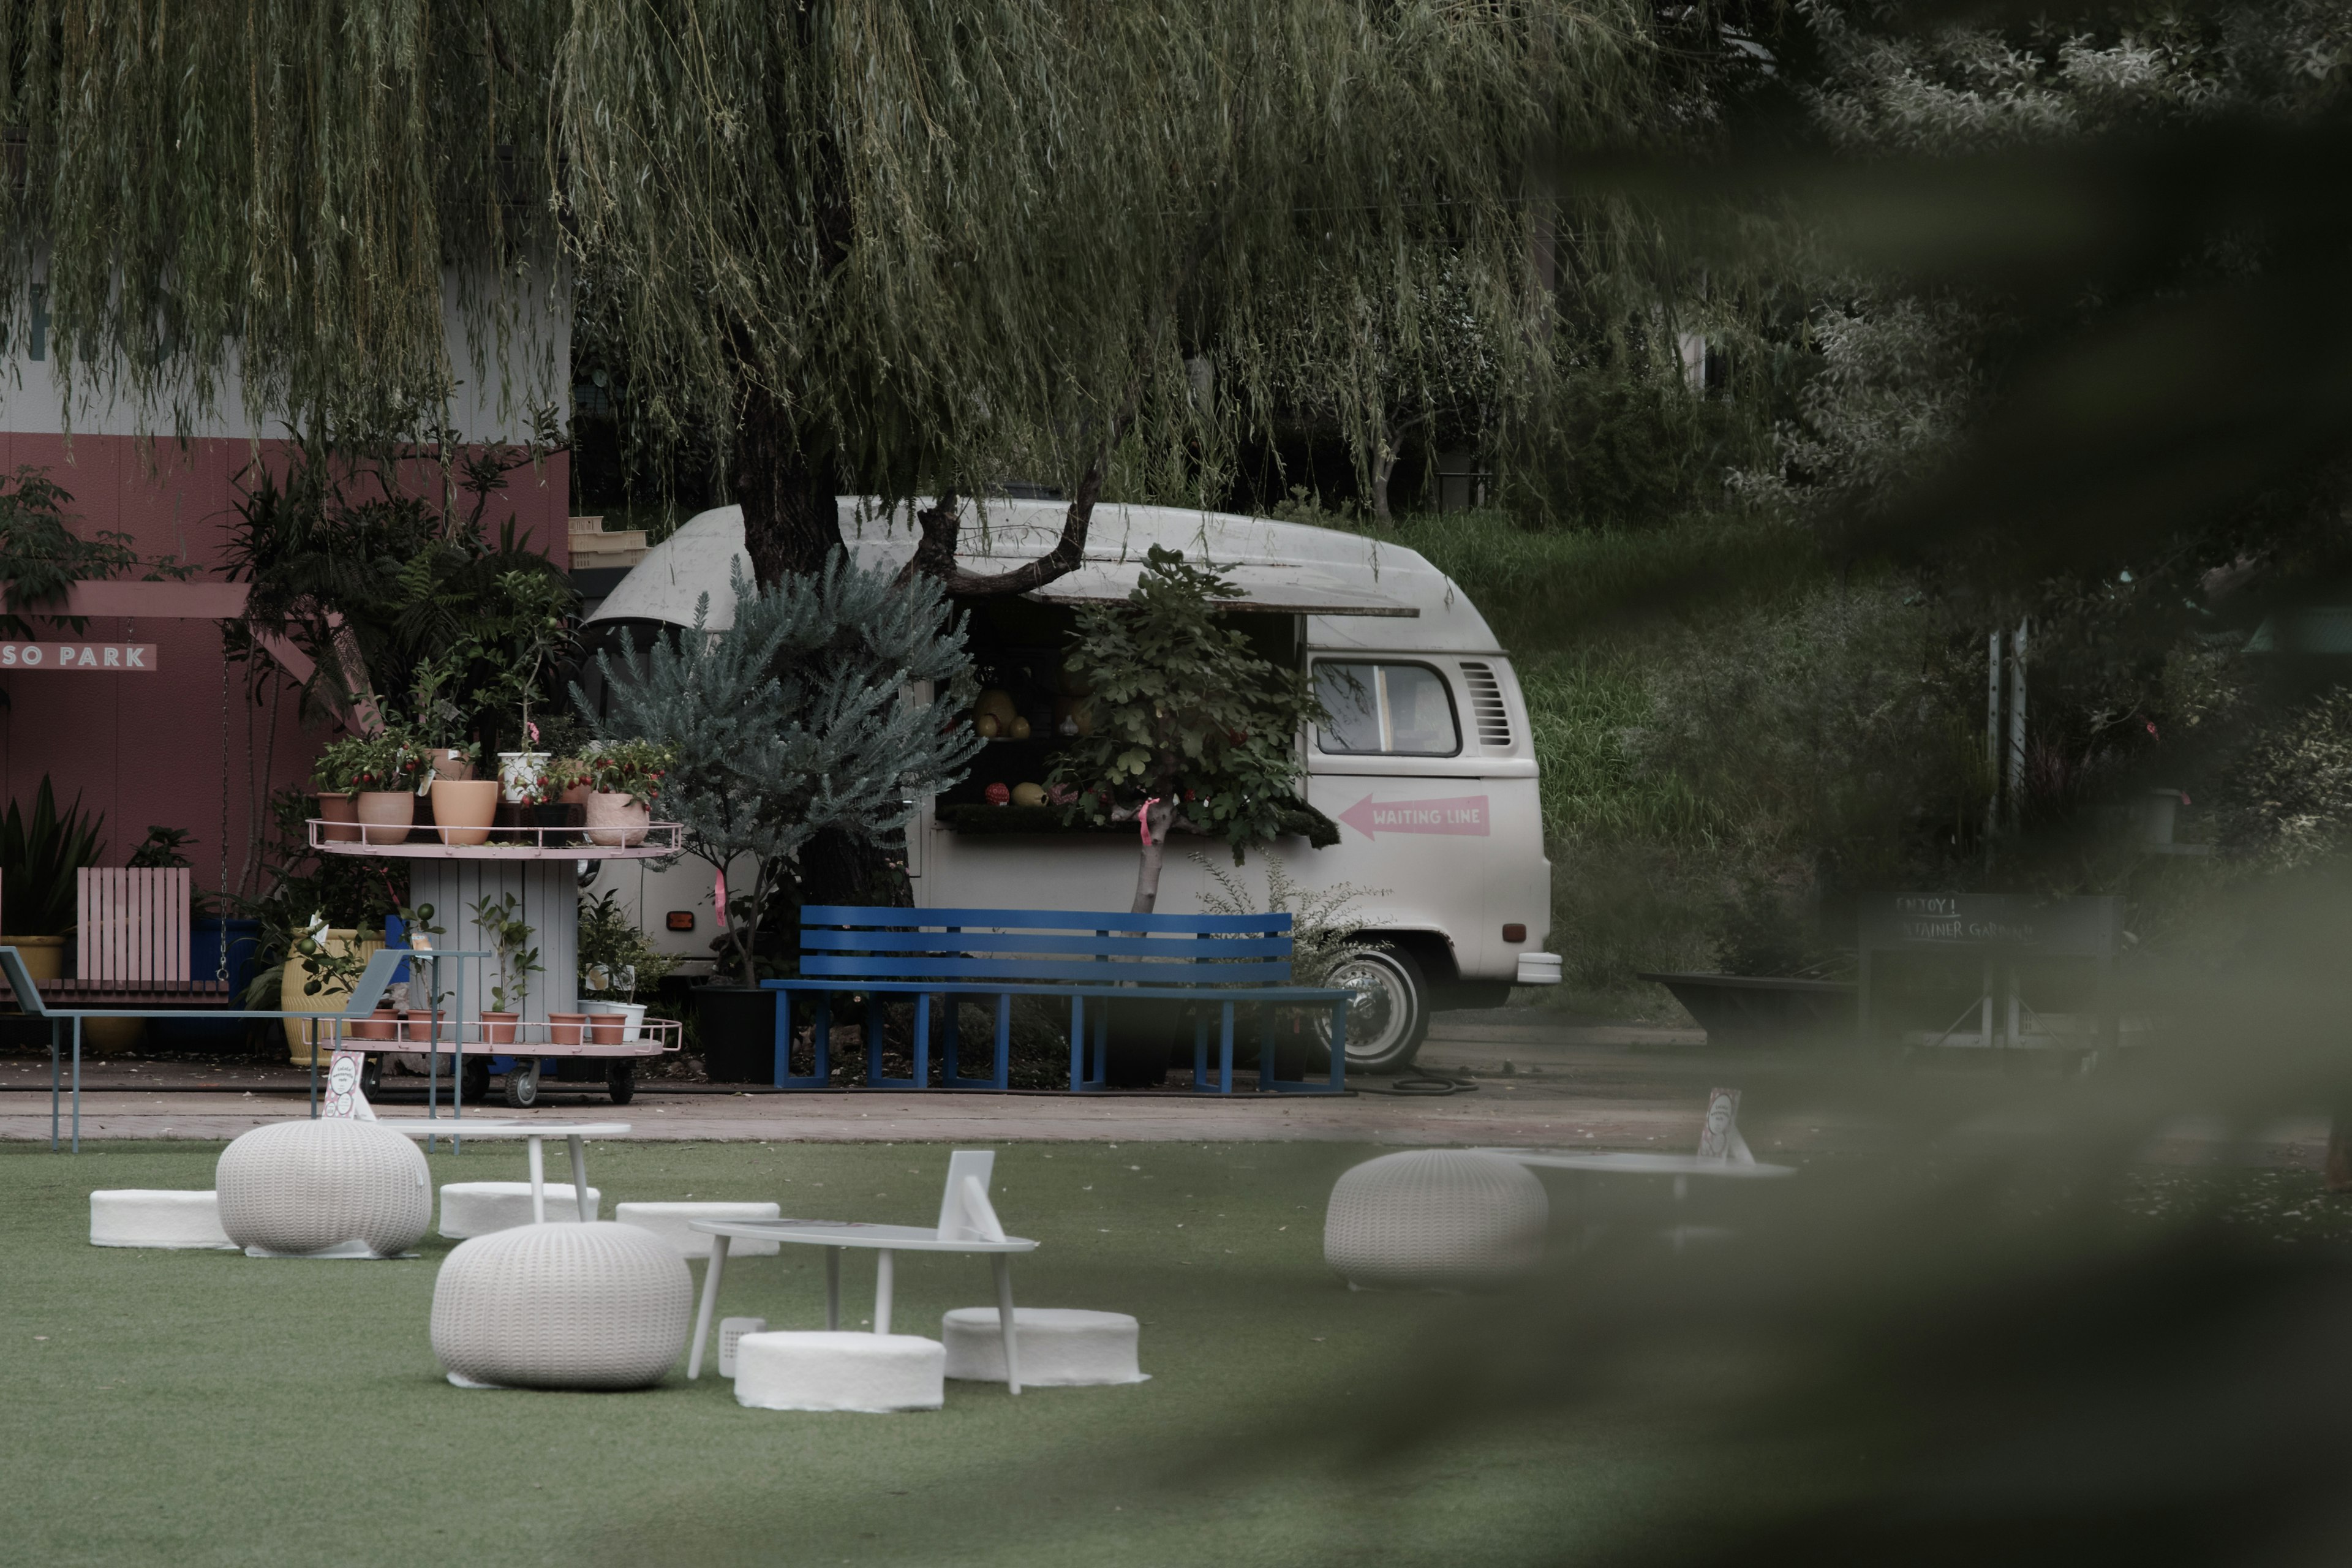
pixel 1385 710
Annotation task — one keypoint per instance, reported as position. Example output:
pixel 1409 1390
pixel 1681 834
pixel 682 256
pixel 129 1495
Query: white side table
pixel 883 1240
pixel 535 1134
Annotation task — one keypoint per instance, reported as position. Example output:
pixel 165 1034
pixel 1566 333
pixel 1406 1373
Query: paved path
pixel 1539 1082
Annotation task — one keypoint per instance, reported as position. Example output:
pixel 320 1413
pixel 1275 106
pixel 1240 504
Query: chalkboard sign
pixel 1996 932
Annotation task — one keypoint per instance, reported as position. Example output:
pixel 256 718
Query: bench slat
pixel 987 969
pixel 1188 950
pixel 1042 920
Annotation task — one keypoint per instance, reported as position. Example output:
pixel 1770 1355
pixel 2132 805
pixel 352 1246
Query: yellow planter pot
pixel 103 1035
pixel 330 999
pixel 44 956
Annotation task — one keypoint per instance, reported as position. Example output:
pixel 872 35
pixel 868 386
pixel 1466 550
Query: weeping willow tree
pixel 891 247
pixel 904 247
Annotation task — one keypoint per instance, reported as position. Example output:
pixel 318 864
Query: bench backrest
pixel 853 942
pixel 131 924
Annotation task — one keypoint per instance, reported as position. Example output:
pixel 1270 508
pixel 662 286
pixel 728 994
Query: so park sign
pixel 98 658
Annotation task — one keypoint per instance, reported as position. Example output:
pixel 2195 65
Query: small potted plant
pixel 509 934
pixel 624 780
pixel 333 781
pixel 615 960
pixel 439 722
pixel 386 768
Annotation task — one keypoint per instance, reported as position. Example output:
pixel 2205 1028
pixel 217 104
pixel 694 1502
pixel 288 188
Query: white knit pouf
pixel 562 1306
pixel 146 1216
pixel 323 1188
pixel 671 1223
pixel 478 1208
pixel 1061 1347
pixel 840 1372
pixel 1436 1219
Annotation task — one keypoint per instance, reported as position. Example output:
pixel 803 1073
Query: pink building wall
pixel 165 748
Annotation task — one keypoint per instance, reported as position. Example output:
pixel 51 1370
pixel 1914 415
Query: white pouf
pixel 324 1188
pixel 1061 1347
pixel 840 1372
pixel 148 1217
pixel 1436 1219
pixel 670 1222
pixel 562 1306
pixel 478 1208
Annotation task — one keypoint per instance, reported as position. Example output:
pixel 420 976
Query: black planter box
pixel 738 1025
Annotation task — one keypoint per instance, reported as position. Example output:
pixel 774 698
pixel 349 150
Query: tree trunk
pixel 1383 465
pixel 789 523
pixel 1156 821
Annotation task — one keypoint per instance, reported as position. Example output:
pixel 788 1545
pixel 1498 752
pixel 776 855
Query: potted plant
pixel 438 722
pixel 786 725
pixel 333 781
pixel 503 927
pixel 624 779
pixel 322 964
pixel 533 633
pixel 615 961
pixel 38 859
pixel 383 770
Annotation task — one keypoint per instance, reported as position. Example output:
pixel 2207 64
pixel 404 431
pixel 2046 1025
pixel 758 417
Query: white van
pixel 1429 767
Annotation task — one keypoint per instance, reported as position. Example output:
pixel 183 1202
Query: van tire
pixel 1392 1011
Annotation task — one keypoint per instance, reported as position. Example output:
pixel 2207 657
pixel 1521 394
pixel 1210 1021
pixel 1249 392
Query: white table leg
pixel 832 1289
pixel 884 1270
pixel 580 1180
pixel 1004 1266
pixel 537 1183
pixel 702 1312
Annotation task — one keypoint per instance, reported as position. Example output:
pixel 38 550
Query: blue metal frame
pixel 1233 960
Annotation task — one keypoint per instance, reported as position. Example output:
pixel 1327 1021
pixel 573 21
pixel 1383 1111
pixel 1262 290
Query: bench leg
pixel 950 1048
pixel 783 1042
pixel 1004 1041
pixel 702 1313
pixel 1077 1044
pixel 1225 1048
pixel 1004 1266
pixel 922 1040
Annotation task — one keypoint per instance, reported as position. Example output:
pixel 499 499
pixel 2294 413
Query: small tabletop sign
pixel 344 1100
pixel 98 658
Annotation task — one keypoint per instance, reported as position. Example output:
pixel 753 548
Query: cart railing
pixel 477 1036
pixel 654 840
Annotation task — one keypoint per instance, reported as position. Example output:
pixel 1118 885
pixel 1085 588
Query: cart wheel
pixel 474 1081
pixel 372 1077
pixel 523 1084
pixel 621 1081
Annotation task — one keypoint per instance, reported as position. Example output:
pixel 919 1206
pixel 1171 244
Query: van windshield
pixel 1385 710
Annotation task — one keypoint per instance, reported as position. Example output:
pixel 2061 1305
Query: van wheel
pixel 1390 1016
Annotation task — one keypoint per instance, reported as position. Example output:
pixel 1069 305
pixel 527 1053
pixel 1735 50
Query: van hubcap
pixel 1381 1012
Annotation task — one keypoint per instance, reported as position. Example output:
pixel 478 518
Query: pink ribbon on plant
pixel 719 897
pixel 1143 820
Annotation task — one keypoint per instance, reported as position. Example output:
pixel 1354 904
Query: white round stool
pixel 597 1305
pixel 323 1189
pixel 673 1224
pixel 1061 1347
pixel 1444 1219
pixel 478 1209
pixel 147 1216
pixel 819 1371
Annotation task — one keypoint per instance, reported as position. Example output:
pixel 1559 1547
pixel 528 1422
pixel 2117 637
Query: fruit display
pixel 997 795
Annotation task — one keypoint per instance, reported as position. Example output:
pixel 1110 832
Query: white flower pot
pixel 518 773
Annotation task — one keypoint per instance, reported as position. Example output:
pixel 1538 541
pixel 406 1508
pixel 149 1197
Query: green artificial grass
pixel 195 1408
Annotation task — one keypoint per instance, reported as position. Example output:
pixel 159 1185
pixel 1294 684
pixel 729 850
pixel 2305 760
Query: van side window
pixel 1385 710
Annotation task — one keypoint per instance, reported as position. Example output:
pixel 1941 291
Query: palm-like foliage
pixel 38 857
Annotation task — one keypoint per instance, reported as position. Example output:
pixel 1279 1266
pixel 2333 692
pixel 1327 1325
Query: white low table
pixel 883 1240
pixel 535 1134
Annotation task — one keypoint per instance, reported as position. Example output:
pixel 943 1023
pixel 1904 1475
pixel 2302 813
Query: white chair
pixel 1060 1347
pixel 323 1189
pixel 968 1223
pixel 1442 1219
pixel 586 1304
pixel 870 1372
pixel 674 1223
pixel 142 1216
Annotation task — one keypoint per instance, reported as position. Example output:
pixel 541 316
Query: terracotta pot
pixel 44 956
pixel 463 809
pixel 383 1026
pixel 576 795
pixel 518 771
pixel 617 821
pixel 566 1028
pixel 448 762
pixel 335 805
pixel 416 1026
pixel 498 1028
pixel 607 1028
pixel 387 813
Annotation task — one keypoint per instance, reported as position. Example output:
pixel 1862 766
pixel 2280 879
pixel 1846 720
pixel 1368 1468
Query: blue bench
pixel 1226 961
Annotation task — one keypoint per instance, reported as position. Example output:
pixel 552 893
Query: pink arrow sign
pixel 1464 814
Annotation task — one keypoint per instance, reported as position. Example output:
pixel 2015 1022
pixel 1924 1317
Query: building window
pixel 1385 711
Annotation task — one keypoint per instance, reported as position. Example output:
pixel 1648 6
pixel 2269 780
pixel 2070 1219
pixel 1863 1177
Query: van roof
pixel 1380 595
